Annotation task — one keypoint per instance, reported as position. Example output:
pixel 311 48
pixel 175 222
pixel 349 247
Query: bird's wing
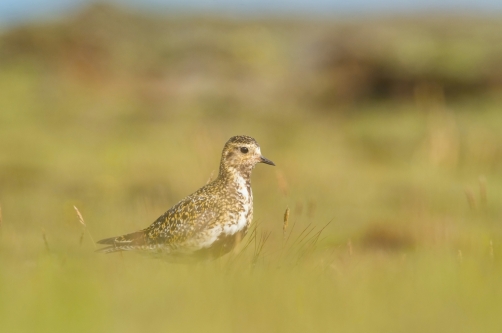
pixel 182 221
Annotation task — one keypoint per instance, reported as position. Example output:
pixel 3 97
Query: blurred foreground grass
pixel 411 189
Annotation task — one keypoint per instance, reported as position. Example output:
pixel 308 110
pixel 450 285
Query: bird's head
pixel 242 153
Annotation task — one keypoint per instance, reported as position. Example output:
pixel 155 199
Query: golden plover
pixel 209 222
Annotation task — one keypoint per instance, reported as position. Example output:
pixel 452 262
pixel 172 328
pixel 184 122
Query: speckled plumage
pixel 209 222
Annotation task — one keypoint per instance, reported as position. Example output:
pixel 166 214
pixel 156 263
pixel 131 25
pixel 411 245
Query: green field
pixel 407 186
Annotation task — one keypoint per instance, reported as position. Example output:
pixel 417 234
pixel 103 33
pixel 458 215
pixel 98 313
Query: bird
pixel 209 222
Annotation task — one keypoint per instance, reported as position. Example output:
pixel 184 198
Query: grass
pixel 382 216
pixel 408 247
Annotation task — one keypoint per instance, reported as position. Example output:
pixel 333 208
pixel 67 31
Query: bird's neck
pixel 239 174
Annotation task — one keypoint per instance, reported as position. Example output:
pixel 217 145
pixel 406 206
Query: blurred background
pixel 383 118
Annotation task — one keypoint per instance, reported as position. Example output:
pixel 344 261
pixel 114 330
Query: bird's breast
pixel 241 216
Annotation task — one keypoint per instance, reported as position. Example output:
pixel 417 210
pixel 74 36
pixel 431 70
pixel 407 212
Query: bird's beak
pixel 266 161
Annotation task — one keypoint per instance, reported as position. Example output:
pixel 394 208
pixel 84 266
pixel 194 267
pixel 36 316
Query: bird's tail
pixel 127 242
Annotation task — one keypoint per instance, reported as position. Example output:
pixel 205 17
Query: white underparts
pixel 211 237
pixel 241 220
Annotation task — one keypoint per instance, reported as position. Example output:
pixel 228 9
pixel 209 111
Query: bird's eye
pixel 244 150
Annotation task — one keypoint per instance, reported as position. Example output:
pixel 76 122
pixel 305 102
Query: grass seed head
pixel 285 223
pixel 80 218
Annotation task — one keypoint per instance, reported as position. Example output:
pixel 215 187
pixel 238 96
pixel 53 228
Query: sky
pixel 19 11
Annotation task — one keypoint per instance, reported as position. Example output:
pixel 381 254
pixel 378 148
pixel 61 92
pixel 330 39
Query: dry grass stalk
pixel 252 236
pixel 290 233
pixel 311 209
pixel 46 243
pixel 471 200
pixel 482 191
pixel 305 232
pixel 250 239
pixel 82 221
pixel 299 208
pixel 80 217
pixel 285 224
pixel 304 244
pixel 308 245
pixel 81 238
pixel 285 239
pixel 282 182
pixel 258 246
pixel 492 255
